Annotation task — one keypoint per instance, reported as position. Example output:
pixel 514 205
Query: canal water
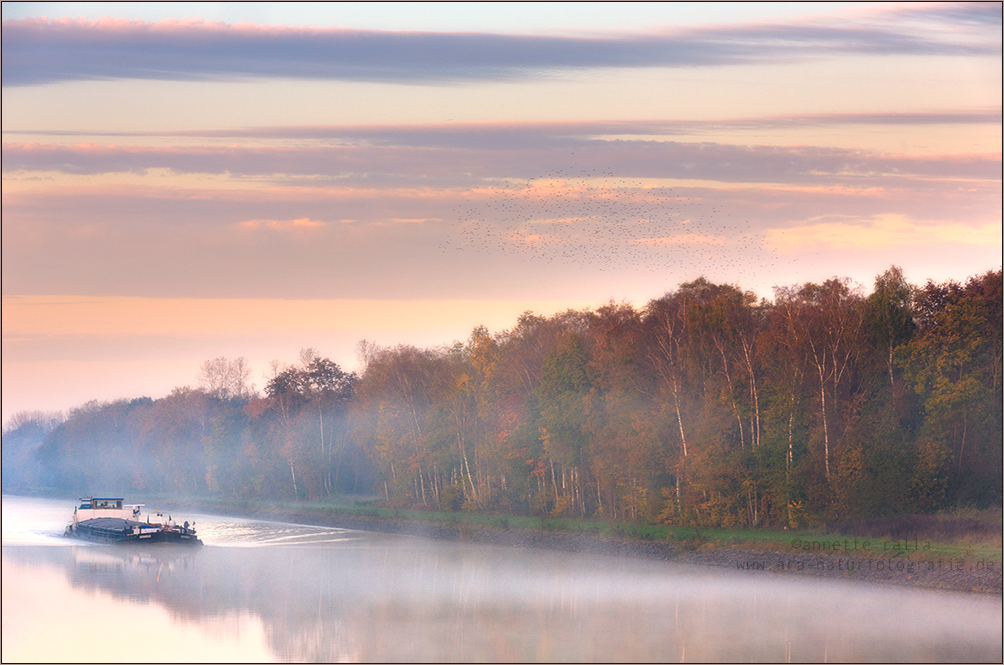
pixel 267 591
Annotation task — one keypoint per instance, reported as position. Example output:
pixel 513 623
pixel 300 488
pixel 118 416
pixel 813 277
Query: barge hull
pixel 115 530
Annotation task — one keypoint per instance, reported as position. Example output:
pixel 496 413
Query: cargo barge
pixel 111 520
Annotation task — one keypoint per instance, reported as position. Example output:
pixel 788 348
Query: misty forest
pixel 705 407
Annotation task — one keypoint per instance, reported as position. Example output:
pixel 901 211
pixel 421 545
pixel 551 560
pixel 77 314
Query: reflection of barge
pixel 107 520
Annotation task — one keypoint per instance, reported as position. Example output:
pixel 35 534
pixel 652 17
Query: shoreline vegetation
pixel 708 423
pixel 706 408
pixel 958 551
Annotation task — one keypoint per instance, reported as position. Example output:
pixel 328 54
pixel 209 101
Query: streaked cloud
pixel 593 158
pixel 37 51
pixel 523 133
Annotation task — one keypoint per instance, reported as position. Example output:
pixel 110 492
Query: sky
pixel 184 181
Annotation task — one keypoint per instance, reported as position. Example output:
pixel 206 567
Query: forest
pixel 705 407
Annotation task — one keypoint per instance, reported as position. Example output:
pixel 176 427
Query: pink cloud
pixel 285 225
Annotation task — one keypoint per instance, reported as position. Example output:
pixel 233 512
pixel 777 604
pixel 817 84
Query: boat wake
pixel 246 533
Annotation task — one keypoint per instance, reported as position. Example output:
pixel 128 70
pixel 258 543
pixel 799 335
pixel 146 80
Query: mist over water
pixel 271 591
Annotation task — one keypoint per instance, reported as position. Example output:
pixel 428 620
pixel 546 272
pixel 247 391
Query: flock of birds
pixel 595 219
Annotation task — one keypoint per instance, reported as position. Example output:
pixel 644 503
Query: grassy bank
pixel 963 534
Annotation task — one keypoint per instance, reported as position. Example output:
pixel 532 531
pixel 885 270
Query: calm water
pixel 262 591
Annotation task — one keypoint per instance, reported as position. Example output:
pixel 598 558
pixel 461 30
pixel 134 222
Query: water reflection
pixel 312 594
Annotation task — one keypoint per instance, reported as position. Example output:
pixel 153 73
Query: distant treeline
pixel 705 407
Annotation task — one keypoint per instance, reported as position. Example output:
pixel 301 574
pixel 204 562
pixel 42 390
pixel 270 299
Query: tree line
pixel 707 406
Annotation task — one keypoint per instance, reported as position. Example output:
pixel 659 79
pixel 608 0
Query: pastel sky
pixel 183 181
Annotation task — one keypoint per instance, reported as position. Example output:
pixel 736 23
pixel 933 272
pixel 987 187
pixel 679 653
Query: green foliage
pixel 953 364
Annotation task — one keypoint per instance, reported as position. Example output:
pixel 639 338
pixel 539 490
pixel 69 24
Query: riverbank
pixel 972 574
pixel 902 562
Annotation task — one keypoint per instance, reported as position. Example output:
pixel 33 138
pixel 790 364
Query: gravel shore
pixel 968 575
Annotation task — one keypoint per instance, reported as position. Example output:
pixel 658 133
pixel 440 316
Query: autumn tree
pixel 954 366
pixel 400 415
pixel 565 381
pixel 310 400
pixel 889 316
pixel 622 474
pixel 224 378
